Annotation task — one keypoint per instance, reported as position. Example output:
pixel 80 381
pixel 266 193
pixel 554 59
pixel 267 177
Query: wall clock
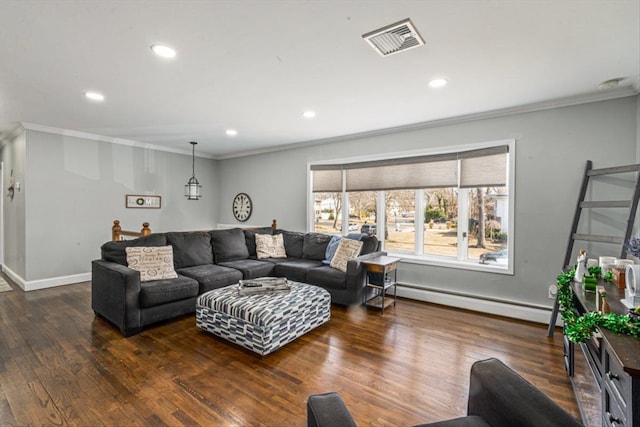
pixel 242 207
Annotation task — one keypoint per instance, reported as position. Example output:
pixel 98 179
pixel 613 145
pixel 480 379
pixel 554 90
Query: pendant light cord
pixel 193 160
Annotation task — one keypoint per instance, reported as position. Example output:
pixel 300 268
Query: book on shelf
pixel 263 285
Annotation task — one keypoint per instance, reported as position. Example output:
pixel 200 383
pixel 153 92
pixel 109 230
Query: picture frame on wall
pixel 142 201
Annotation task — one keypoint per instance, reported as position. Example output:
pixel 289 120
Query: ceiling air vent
pixel 394 38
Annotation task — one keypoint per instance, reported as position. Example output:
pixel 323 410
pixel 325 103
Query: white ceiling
pixel 256 65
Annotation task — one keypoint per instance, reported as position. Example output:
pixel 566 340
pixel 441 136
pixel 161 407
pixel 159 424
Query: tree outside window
pixel 327 213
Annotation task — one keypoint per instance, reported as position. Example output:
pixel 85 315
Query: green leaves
pixel 595 271
pixel 580 328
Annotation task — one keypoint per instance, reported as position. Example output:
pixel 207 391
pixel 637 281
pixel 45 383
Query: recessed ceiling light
pixel 436 83
pixel 94 96
pixel 309 114
pixel 163 51
pixel 231 132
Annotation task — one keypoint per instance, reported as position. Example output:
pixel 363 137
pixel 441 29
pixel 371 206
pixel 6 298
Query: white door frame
pixel 2 215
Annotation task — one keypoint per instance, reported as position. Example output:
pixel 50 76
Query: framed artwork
pixel 143 201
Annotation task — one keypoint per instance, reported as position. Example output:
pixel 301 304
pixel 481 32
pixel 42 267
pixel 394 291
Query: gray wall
pixel 75 188
pixel 638 129
pixel 552 147
pixel 13 156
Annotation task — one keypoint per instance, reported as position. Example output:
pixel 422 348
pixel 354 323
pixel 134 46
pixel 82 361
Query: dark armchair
pixel 498 397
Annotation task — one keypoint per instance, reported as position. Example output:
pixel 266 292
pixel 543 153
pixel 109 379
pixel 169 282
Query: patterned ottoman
pixel 263 322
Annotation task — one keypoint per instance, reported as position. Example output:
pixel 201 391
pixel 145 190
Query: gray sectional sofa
pixel 209 260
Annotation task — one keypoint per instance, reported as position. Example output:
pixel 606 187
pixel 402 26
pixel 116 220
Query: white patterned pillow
pixel 347 249
pixel 153 263
pixel 270 246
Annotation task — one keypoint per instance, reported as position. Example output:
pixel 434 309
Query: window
pixel 487 226
pixel 449 208
pixel 400 208
pixel 441 222
pixel 362 212
pixel 328 213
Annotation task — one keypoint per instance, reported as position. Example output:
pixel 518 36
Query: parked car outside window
pixel 369 229
pixel 500 256
pixel 372 229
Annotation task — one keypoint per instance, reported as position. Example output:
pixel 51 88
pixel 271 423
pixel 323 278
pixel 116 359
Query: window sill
pixel 452 263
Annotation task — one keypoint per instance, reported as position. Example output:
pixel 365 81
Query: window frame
pixel 419 257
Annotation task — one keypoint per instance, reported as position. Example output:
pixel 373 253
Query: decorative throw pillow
pixel 347 249
pixel 332 247
pixel 270 246
pixel 153 263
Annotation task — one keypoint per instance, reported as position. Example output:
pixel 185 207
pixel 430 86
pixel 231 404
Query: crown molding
pixel 10 135
pixel 109 139
pixel 607 95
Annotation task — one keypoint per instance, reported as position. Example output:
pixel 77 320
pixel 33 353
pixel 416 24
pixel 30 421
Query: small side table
pixel 379 279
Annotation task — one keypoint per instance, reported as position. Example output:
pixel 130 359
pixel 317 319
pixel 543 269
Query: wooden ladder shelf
pixel 574 236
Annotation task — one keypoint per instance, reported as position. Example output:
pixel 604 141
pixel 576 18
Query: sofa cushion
pixel 293 242
pixel 115 251
pixel 229 245
pixel 369 244
pixel 315 246
pixel 270 246
pixel 296 269
pixel 276 260
pixel 251 268
pixel 153 262
pixel 159 292
pixel 347 249
pixel 250 238
pixel 190 249
pixel 211 276
pixel 327 277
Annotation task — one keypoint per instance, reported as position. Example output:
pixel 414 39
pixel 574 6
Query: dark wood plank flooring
pixel 61 365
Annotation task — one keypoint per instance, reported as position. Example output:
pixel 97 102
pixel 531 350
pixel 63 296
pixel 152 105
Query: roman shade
pixel 486 167
pixel 327 178
pixel 403 173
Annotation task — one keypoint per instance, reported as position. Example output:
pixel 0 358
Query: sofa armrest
pixel 503 398
pixel 115 295
pixel 356 273
pixel 354 266
pixel 328 410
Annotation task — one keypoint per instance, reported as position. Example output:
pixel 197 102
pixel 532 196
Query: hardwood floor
pixel 60 365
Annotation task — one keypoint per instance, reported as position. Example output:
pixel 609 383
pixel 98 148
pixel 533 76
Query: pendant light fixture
pixel 192 188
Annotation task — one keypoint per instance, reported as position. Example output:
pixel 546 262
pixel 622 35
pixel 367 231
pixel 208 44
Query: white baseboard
pixel 225 226
pixel 512 309
pixel 51 282
pixel 14 277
